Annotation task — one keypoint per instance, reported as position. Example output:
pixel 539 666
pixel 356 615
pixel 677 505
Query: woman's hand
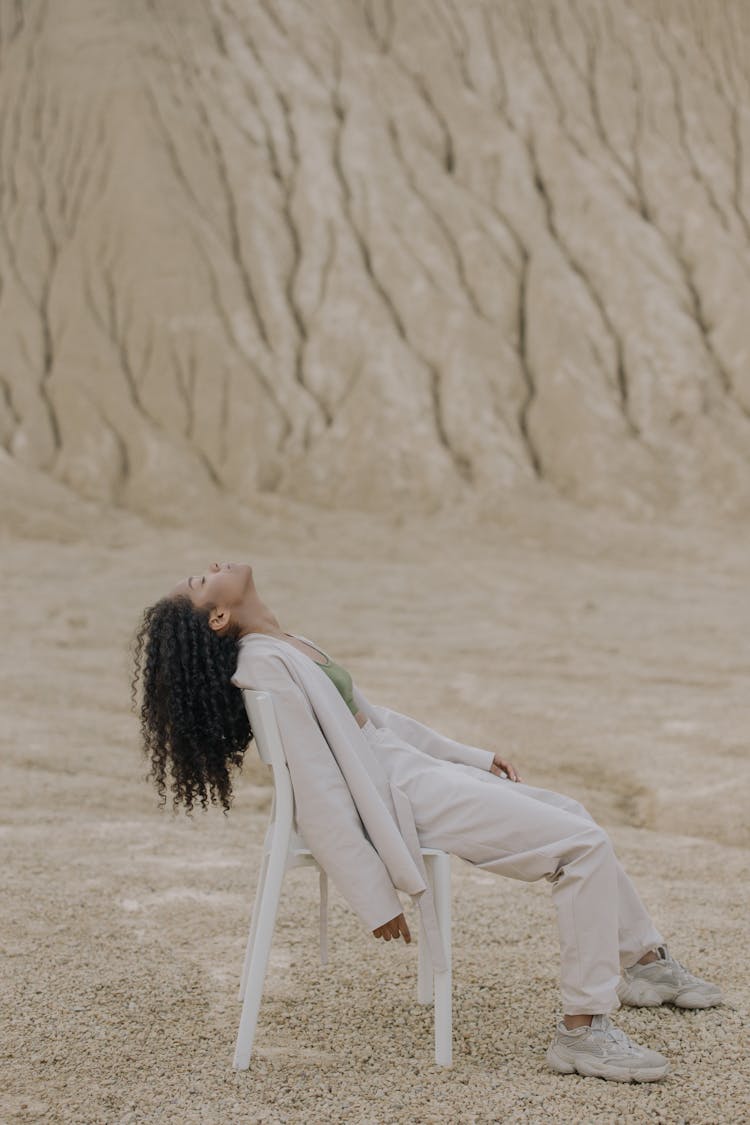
pixel 395 929
pixel 503 764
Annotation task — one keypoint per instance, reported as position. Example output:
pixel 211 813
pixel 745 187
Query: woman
pixel 362 796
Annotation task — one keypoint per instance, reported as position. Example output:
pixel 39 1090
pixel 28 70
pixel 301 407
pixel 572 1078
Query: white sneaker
pixel 666 980
pixel 602 1050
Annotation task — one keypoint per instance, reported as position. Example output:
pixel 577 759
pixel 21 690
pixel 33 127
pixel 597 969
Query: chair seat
pixel 302 849
pixel 298 847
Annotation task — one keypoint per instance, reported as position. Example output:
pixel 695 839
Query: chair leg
pixel 268 908
pixel 424 960
pixel 323 917
pixel 443 981
pixel 253 923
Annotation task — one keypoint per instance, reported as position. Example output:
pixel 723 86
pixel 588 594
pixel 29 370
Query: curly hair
pixel 192 717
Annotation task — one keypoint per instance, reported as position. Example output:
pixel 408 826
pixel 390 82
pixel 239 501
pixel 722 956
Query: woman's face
pixel 221 584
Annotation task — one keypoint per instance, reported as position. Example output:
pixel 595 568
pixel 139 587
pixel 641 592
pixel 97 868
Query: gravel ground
pixel 124 926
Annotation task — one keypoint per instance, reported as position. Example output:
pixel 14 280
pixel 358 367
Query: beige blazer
pixel 358 825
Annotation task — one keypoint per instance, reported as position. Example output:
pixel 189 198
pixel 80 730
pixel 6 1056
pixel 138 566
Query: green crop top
pixel 341 679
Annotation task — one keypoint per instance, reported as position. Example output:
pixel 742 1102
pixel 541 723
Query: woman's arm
pixel 424 737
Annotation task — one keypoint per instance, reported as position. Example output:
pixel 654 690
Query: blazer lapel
pixel 384 808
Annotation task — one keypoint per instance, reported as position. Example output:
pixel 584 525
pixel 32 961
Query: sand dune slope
pixel 388 256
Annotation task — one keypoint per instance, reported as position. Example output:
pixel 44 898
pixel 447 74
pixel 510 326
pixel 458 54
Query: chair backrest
pixel 260 710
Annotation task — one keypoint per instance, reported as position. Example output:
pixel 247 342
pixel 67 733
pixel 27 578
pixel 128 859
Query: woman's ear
pixel 218 618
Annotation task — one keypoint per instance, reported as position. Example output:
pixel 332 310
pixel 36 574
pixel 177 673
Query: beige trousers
pixel 514 829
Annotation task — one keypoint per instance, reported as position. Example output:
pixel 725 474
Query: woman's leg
pixel 636 931
pixel 496 825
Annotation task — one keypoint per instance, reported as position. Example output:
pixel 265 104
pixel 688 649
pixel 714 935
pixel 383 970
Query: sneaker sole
pixel 687 999
pixel 696 1001
pixel 589 1068
pixel 639 994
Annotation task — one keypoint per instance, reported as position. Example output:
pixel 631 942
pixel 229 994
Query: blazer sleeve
pixel 325 811
pixel 426 739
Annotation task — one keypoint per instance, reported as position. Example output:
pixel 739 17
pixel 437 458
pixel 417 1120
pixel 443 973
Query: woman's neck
pixel 254 616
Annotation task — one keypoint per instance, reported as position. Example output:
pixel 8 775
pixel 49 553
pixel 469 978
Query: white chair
pixel 284 848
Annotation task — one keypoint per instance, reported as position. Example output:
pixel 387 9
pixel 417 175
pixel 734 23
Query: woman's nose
pixel 215 566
